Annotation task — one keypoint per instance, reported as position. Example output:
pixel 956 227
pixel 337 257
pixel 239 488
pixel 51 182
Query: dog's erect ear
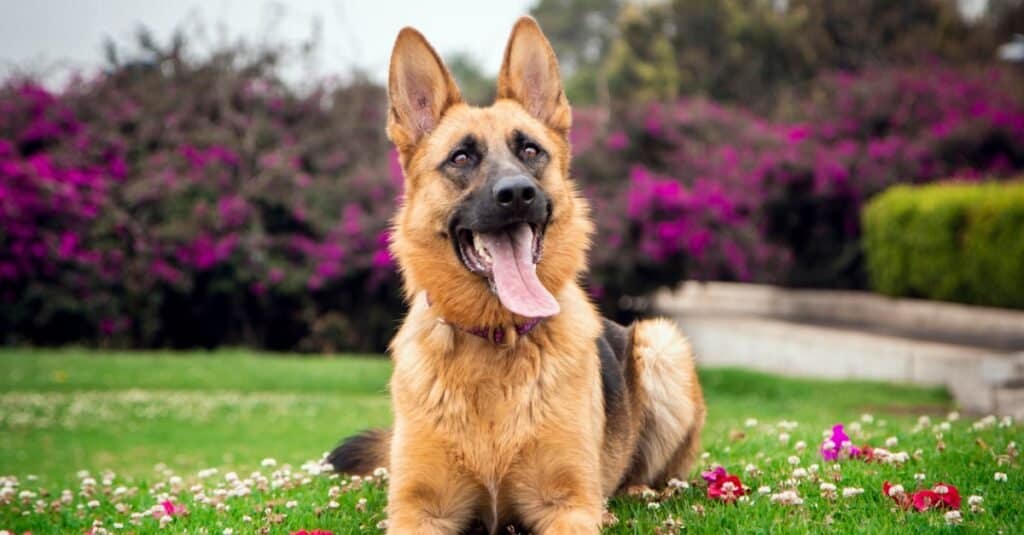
pixel 529 75
pixel 420 89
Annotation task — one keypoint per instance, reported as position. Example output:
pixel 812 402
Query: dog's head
pixel 490 225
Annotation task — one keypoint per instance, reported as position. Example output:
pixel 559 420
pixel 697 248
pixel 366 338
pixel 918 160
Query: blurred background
pixel 196 175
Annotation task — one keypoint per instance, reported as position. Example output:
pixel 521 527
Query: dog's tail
pixel 363 453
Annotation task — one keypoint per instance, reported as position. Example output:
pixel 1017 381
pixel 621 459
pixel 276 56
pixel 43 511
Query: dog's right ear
pixel 420 89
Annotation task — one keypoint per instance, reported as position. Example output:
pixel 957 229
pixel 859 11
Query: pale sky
pixel 54 36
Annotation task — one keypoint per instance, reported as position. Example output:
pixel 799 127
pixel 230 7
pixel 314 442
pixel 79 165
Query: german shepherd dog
pixel 514 402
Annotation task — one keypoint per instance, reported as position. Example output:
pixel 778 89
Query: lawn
pixel 90 437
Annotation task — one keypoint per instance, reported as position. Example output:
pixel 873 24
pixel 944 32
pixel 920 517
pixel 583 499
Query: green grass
pixel 148 417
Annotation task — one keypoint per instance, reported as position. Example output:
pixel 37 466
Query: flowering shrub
pixel 195 204
pixel 699 190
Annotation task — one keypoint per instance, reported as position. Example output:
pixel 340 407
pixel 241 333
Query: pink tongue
pixel 515 274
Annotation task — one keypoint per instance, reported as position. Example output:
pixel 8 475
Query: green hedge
pixel 959 242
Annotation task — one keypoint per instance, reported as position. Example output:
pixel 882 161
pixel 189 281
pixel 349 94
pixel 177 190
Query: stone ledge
pixel 983 326
pixel 760 328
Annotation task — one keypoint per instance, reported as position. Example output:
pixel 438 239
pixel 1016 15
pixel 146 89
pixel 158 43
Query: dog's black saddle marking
pixel 613 348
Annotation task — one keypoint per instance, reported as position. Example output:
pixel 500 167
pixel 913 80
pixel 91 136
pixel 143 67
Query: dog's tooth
pixel 478 244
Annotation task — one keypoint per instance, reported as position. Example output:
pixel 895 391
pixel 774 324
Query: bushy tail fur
pixel 363 453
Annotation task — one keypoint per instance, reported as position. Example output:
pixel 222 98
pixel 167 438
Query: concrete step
pixel 983 380
pixel 994 328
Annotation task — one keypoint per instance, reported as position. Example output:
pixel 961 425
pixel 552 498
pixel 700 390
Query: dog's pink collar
pixel 495 335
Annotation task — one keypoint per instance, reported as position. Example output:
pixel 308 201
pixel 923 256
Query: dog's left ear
pixel 529 75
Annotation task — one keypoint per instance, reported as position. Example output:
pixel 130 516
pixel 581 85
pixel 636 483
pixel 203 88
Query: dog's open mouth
pixel 508 260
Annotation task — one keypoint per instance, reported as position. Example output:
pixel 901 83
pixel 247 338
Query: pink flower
pixel 714 474
pixel 169 509
pixel 838 445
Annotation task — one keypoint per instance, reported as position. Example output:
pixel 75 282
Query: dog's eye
pixel 529 152
pixel 460 159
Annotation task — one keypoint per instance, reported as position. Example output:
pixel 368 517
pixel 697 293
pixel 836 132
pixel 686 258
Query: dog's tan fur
pixel 517 430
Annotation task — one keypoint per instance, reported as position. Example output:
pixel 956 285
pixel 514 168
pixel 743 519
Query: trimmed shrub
pixel 960 242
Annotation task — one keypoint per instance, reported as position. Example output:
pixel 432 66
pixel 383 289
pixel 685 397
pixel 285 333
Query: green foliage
pixel 477 88
pixel 754 51
pixel 959 242
pixel 641 65
pixel 581 32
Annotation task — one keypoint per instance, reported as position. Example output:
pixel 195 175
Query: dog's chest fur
pixel 490 401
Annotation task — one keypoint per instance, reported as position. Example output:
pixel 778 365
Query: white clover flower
pixel 896 490
pixel 919 477
pixel 654 505
pixel 800 446
pixel 793 460
pixel 867 418
pixel 207 473
pixel 849 492
pixel 892 442
pixel 787 425
pixel 783 437
pixel 380 472
pixel 246 519
pixel 799 473
pixel 92 504
pixel 827 487
pixel 290 504
pixel 269 462
pixel 764 490
pixel 751 422
pixel 678 484
pixel 1007 421
pixel 166 519
pixel 813 468
pixel 900 457
pixel 854 427
pixel 750 469
pixel 953 416
pixel 944 426
pixel 228 531
pixel 1000 476
pixel 787 497
pixel 333 504
pixel 705 455
pixel 953 518
pixel 941 489
pixel 974 499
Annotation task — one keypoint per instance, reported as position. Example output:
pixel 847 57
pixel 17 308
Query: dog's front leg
pixel 556 487
pixel 427 494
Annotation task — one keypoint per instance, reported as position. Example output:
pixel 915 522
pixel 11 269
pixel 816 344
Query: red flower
pixel 951 497
pixel 726 489
pixel 925 499
pixel 942 495
pixel 897 493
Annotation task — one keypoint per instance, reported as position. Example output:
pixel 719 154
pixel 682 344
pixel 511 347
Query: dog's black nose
pixel 514 193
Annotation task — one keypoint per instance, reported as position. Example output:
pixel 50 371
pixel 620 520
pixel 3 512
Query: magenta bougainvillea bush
pixel 713 192
pixel 185 203
pixel 195 205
